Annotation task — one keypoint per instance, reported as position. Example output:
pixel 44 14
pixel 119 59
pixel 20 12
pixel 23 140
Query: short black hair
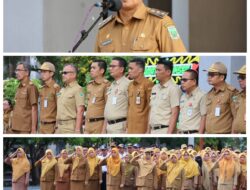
pixel 140 62
pixel 122 62
pixel 194 75
pixel 102 64
pixel 168 65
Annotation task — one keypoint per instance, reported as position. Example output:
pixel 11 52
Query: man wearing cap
pixel 48 99
pixel 139 97
pixel 164 101
pixel 192 116
pixel 239 123
pixel 24 119
pixel 116 108
pixel 137 28
pixel 121 151
pixel 103 155
pixel 130 148
pixel 96 97
pixel 220 101
pixel 70 103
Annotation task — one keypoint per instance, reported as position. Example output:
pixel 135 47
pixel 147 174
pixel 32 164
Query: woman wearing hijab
pixel 80 169
pixel 130 173
pixel 63 172
pixel 227 171
pixel 20 169
pixel 147 172
pixel 191 169
pixel 242 180
pixel 206 170
pixel 161 173
pixel 115 170
pixel 95 171
pixel 48 163
pixel 175 172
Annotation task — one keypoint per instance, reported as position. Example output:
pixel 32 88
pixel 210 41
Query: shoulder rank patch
pixel 157 13
pixel 173 32
pixel 106 21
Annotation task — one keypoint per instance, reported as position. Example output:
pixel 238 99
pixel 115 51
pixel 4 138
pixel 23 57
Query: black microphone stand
pixel 84 33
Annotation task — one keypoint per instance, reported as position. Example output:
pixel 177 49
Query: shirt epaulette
pixel 106 21
pixel 157 13
pixel 231 88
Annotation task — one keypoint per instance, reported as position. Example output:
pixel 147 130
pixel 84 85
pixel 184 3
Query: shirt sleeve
pixel 203 105
pixel 175 95
pixel 168 37
pixel 33 95
pixel 79 97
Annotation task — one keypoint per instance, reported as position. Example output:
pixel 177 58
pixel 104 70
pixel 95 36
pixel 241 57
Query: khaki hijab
pixel 61 166
pixel 47 164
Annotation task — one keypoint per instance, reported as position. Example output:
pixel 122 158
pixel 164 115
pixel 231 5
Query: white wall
pixel 180 14
pixel 23 25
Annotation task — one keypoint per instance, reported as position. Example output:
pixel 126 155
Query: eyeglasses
pixel 185 80
pixel 213 74
pixel 66 72
pixel 18 70
pixel 241 77
pixel 113 66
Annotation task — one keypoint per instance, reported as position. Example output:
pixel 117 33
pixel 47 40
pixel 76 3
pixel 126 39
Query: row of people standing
pixel 133 106
pixel 147 169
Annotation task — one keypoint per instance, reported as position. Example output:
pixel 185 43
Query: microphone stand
pixel 84 33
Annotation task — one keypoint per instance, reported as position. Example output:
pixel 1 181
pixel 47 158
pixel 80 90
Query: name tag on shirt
pixel 138 100
pixel 93 100
pixel 189 112
pixel 45 103
pixel 114 100
pixel 217 112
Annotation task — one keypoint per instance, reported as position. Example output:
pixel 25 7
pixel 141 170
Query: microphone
pixel 113 5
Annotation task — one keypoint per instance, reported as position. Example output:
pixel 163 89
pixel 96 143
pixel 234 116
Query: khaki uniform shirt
pixel 220 109
pixel 149 30
pixel 138 105
pixel 48 102
pixel 117 100
pixel 192 107
pixel 96 96
pixel 26 97
pixel 163 98
pixel 68 100
pixel 239 123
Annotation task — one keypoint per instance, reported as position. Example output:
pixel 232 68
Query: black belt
pixel 111 122
pixel 95 119
pixel 45 122
pixel 159 127
pixel 190 132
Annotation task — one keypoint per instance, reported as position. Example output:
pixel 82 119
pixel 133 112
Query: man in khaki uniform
pixel 220 101
pixel 193 112
pixel 24 118
pixel 116 108
pixel 139 97
pixel 96 95
pixel 165 101
pixel 239 123
pixel 48 99
pixel 70 103
pixel 137 28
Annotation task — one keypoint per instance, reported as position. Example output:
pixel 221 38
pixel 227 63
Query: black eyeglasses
pixel 18 70
pixel 213 74
pixel 113 66
pixel 66 72
pixel 241 77
pixel 185 79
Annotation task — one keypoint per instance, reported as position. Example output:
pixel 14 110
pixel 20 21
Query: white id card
pixel 45 103
pixel 138 100
pixel 93 100
pixel 217 112
pixel 189 112
pixel 114 100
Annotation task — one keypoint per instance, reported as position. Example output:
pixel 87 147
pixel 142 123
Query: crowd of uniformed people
pixel 131 167
pixel 129 104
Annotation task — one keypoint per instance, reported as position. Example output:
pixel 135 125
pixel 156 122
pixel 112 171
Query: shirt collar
pixel 72 84
pixel 139 80
pixel 51 84
pixel 222 88
pixel 24 83
pixel 117 82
